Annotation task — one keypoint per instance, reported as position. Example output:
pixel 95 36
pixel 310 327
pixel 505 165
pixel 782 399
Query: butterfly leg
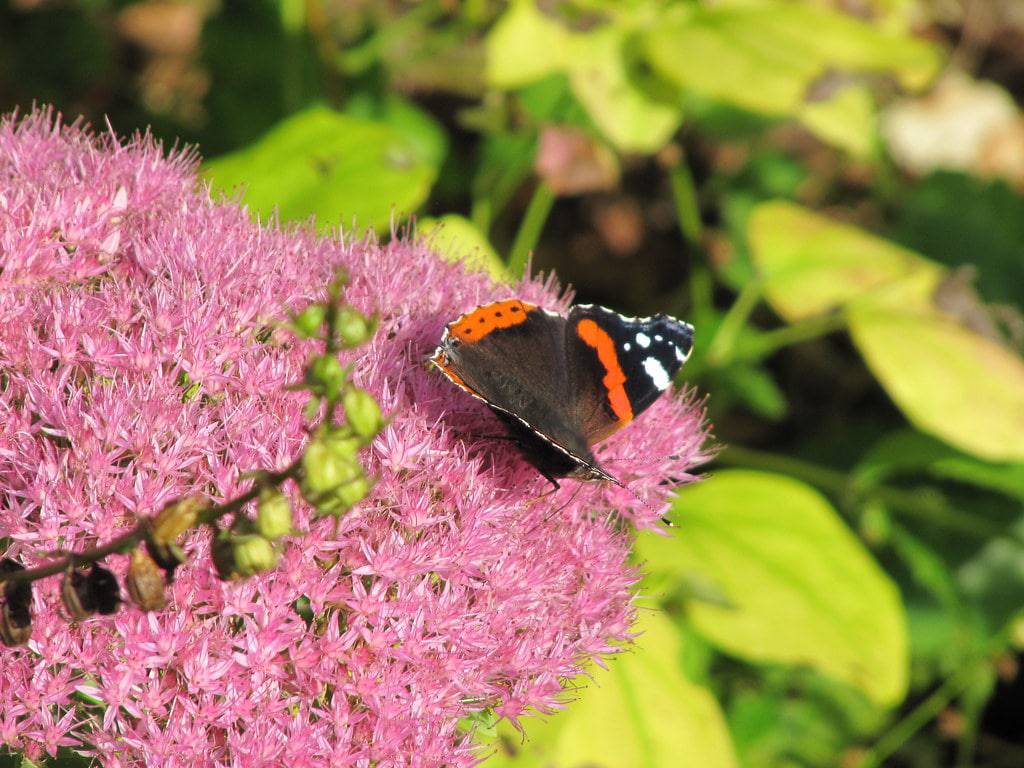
pixel 550 479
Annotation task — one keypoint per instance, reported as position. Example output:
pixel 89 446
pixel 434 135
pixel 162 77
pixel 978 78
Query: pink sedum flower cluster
pixel 142 358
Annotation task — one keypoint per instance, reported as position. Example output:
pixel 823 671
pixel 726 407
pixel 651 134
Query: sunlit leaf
pixel 424 133
pixel 524 45
pixel 847 120
pixel 801 588
pixel 640 712
pixel 811 264
pixel 764 57
pixel 628 117
pixel 333 166
pixel 948 380
pixel 457 239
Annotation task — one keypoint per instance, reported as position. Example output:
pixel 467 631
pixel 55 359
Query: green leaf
pixel 425 135
pixel 994 579
pixel 811 264
pixel 629 118
pixel 949 381
pixel 639 712
pixel 524 46
pixel 847 120
pixel 321 163
pixel 457 239
pixel 764 57
pixel 756 389
pixel 801 588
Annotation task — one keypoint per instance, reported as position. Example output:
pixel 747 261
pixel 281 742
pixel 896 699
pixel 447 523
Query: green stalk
pixel 529 230
pixel 918 718
pixel 684 194
pixel 723 345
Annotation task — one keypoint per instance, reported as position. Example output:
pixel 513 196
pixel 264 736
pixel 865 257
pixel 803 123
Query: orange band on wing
pixel 441 362
pixel 482 320
pixel 614 378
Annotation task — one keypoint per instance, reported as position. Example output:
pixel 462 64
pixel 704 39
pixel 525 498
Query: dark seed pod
pixel 223 554
pixel 167 556
pixel 77 595
pixel 145 581
pixel 104 589
pixel 15 626
pixel 16 617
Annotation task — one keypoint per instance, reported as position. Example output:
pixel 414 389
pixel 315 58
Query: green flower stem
pixel 919 717
pixel 723 345
pixel 530 229
pixel 684 194
pixel 132 537
pixel 913 503
pixel 770 342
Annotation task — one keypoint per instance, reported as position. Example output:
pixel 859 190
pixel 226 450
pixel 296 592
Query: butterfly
pixel 562 383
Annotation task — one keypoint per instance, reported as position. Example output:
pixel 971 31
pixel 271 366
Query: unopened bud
pixel 104 589
pixel 353 327
pixel 352 493
pixel 362 412
pixel 253 554
pixel 307 323
pixel 325 374
pixel 273 514
pixel 76 595
pixel 328 462
pixel 145 581
pixel 176 518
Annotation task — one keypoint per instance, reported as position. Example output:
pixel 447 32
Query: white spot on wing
pixel 679 354
pixel 657 337
pixel 657 372
pixel 627 346
pixel 643 340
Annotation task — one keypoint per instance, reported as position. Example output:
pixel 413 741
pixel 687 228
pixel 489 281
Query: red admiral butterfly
pixel 562 384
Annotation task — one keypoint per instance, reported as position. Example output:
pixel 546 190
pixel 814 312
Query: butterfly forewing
pixel 620 365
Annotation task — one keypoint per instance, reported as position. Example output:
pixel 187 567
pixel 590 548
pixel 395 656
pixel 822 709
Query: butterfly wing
pixel 619 365
pixel 511 354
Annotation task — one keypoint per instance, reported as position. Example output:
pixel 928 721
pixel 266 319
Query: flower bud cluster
pixel 331 478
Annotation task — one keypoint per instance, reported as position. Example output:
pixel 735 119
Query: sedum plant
pixel 151 389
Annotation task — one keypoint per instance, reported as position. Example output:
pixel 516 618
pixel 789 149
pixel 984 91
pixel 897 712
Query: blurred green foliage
pixel 847 588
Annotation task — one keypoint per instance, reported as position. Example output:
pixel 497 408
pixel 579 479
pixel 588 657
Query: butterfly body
pixel 562 383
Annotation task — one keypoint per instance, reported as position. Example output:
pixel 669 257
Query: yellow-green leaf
pixel 950 381
pixel 797 586
pixel 456 238
pixel 847 120
pixel 335 167
pixel 641 712
pixel 763 57
pixel 524 46
pixel 628 117
pixel 811 264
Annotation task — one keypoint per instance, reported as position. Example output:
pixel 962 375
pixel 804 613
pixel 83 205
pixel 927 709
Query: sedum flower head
pixel 144 358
